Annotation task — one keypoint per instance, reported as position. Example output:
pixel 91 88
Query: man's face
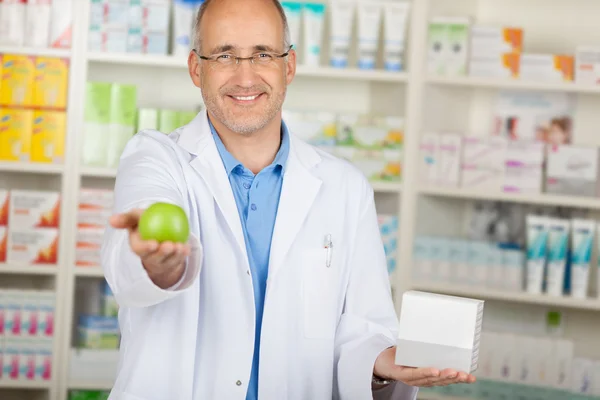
pixel 245 97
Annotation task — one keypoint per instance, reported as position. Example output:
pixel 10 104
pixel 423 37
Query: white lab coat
pixel 323 327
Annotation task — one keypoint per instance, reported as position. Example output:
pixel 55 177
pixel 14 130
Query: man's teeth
pixel 245 98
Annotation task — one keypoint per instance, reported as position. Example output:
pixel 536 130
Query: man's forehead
pixel 230 47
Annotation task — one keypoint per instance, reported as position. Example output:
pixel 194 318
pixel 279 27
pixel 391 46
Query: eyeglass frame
pixel 240 59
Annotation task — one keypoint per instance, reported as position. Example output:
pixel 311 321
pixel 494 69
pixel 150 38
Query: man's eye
pixel 223 57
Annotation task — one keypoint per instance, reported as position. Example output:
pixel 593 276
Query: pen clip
pixel 328 245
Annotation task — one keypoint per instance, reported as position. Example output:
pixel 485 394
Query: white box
pixel 513 262
pixel 572 170
pixel 96 199
pixel 525 353
pixel 457 254
pixel 13 308
pixel 43 359
pixel 488 41
pixel 61 24
pixel 91 218
pixel 587 65
pixel 429 158
pixel 504 357
pixel 495 263
pixel 87 248
pixel 477 258
pixel 46 307
pixel 38 23
pixel 34 209
pixel 4 202
pixel 582 376
pixel 439 331
pixel 596 378
pixel 422 258
pixel 33 246
pixel 562 356
pixel 12 23
pixel 543 368
pixel 450 147
pixel 485 180
pixel 546 67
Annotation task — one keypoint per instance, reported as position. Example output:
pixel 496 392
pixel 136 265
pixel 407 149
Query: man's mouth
pixel 246 99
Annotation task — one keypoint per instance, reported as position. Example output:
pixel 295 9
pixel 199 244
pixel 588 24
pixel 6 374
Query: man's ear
pixel 194 68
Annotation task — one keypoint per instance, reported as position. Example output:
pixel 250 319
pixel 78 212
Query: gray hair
pixel 196 31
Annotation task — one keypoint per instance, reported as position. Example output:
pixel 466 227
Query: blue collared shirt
pixel 257 199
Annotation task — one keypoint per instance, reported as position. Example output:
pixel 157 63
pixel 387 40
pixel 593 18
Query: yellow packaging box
pixel 18 72
pixel 48 136
pixel 51 82
pixel 15 134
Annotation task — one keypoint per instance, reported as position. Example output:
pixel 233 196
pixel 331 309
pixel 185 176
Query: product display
pixel 98 325
pixel 94 211
pixel 26 335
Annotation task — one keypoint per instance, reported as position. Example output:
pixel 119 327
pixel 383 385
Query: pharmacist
pixel 282 291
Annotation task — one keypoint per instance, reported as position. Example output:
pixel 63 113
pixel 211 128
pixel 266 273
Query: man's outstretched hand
pixel 386 368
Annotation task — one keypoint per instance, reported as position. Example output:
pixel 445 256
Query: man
pixel 282 290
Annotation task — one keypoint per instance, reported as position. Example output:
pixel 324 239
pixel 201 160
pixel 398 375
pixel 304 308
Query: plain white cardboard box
pixel 439 331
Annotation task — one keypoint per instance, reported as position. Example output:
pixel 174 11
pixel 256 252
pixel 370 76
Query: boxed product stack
pixel 448 46
pixel 587 65
pixel 31 231
pixel 36 23
pixel 524 167
pixel 26 336
pixel 388 227
pixel 546 67
pixel 440 159
pixel 110 119
pixel 94 211
pixel 371 142
pixel 572 170
pixel 33 100
pixel 494 51
pixel 129 26
pixel 98 326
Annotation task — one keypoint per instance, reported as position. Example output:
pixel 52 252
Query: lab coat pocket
pixel 319 288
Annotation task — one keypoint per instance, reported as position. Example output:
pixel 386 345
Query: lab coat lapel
pixel 298 192
pixel 197 139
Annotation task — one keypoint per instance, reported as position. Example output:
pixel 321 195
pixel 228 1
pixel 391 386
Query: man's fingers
pixel 143 248
pixel 126 220
pixel 423 373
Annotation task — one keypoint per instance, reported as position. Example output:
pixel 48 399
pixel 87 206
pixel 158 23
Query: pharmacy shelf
pixel 303 71
pixel 89 385
pixel 32 385
pixel 98 172
pixel 591 304
pixel 498 83
pixel 589 203
pixel 386 187
pixel 36 168
pixel 93 272
pixel 36 51
pixel 28 269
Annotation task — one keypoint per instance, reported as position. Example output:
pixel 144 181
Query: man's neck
pixel 255 151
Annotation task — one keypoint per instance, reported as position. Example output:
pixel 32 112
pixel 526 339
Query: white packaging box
pixel 422 259
pixel 439 331
pixel 545 67
pixel 27 352
pixel 587 65
pixel 13 308
pixel 29 313
pixel 135 24
pixel 524 167
pixel 542 368
pixel 485 180
pixel 34 209
pixel 485 152
pixel 562 356
pixel 155 31
pixel 61 23
pixel 97 25
pixel 3 243
pixel 429 159
pixel 12 22
pixel 457 255
pixel 11 359
pixel 489 41
pixel 513 262
pixel 443 268
pixel 92 218
pixel 572 170
pixel 495 275
pixel 37 22
pixel 596 378
pixel 504 357
pixel 450 146
pixel 4 202
pixel 43 359
pixel 96 199
pixel 87 248
pixel 525 354
pixel 116 26
pixel 477 259
pixel 582 376
pixel 498 67
pixel 46 306
pixel 33 246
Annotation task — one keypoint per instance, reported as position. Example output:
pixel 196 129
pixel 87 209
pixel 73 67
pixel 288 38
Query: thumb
pixel 126 220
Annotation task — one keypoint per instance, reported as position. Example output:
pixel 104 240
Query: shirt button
pixel 246 185
pixel 253 207
pixel 239 383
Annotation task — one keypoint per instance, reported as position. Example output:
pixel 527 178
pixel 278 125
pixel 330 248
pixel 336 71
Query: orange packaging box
pixel 34 209
pixel 4 200
pixel 32 246
pixel 95 199
pixel 3 243
pixel 546 67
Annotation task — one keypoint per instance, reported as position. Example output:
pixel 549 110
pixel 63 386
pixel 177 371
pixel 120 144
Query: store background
pixel 454 213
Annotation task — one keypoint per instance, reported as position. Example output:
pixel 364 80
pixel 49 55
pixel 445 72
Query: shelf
pixel 36 168
pixel 94 272
pixel 541 198
pixel 90 385
pixel 28 269
pixel 35 385
pixel 98 172
pixel 36 51
pixel 500 83
pixel 386 187
pixel 302 71
pixel 591 304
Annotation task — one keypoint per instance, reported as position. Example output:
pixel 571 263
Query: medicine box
pixel 448 45
pixel 18 74
pixel 97 119
pixel 15 133
pixel 95 199
pixel 61 28
pixel 4 202
pixel 33 246
pixel 51 82
pixel 34 209
pixel 587 65
pixel 87 247
pixel 450 151
pixel 439 331
pixel 572 170
pixel 429 158
pixel 98 332
pixel 48 136
pixel 3 243
pixel 546 67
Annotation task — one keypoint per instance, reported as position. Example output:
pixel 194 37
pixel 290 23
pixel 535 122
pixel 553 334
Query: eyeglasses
pixel 227 61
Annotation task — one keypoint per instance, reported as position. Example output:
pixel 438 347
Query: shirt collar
pixel 230 162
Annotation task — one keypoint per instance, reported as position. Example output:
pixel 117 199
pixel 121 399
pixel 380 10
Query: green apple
pixel 164 222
